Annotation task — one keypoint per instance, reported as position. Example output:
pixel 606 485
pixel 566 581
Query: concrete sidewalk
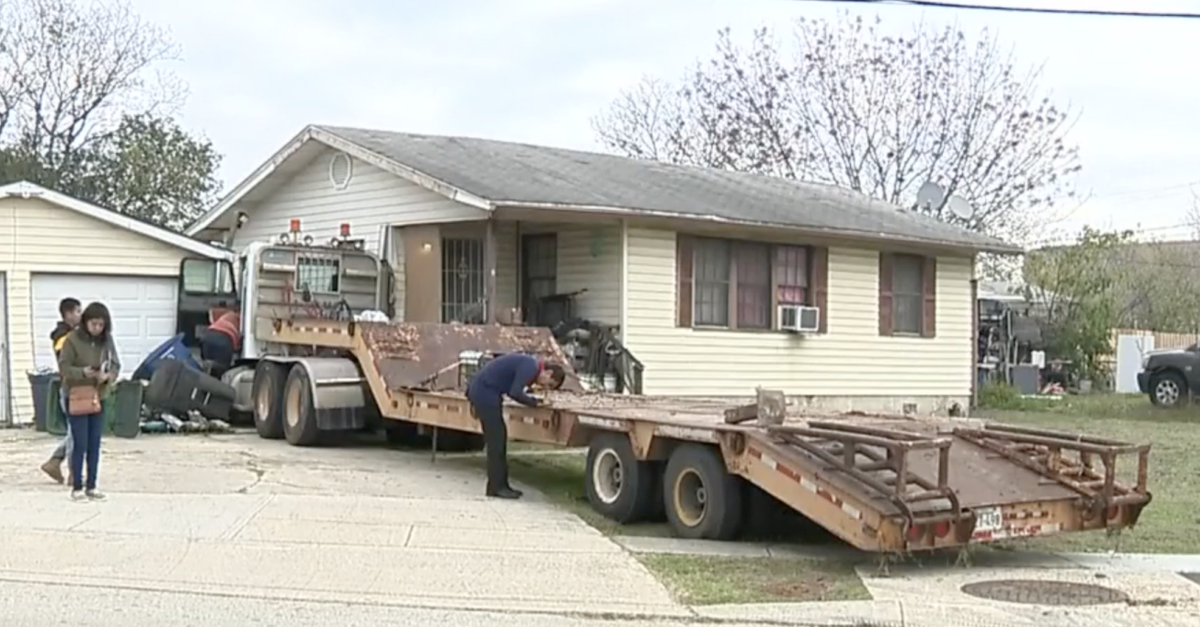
pixel 1161 562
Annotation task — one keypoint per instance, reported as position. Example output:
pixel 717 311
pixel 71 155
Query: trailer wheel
pixel 619 487
pixel 401 433
pixel 702 500
pixel 267 392
pixel 299 415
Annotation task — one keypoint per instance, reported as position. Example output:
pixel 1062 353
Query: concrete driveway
pixel 243 517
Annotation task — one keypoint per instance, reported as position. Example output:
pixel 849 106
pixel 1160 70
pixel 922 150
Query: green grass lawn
pixel 1171 523
pixel 704 580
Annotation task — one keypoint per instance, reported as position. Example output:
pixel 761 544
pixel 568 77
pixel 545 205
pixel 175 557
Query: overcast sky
pixel 536 70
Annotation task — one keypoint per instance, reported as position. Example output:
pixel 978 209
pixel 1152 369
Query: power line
pixel 939 4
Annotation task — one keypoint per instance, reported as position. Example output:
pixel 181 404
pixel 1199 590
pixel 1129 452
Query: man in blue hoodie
pixel 507 375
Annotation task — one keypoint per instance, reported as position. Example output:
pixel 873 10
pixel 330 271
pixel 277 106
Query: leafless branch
pixel 850 105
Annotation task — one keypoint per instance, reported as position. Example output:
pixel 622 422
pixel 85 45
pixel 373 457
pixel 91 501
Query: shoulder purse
pixel 83 400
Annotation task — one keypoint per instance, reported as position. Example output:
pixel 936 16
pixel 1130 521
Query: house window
pixel 739 284
pixel 318 274
pixel 753 264
pixel 712 282
pixel 791 272
pixel 462 281
pixel 907 294
pixel 907 300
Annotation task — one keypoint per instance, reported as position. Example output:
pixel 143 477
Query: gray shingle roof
pixel 507 173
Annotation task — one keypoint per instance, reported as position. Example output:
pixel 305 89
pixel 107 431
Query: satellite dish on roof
pixel 930 196
pixel 960 207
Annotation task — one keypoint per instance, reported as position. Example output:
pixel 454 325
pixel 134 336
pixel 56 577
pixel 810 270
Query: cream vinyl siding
pixel 39 237
pixel 851 360
pixel 372 201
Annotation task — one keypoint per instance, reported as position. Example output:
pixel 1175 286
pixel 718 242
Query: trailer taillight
pixel 345 230
pixel 915 532
pixel 294 225
pixel 941 529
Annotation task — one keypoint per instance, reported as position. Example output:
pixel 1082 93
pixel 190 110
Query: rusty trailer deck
pixel 882 484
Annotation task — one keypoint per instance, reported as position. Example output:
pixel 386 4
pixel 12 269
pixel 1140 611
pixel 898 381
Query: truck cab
pixel 293 276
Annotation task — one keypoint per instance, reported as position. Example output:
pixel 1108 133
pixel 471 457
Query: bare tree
pixel 855 107
pixel 70 70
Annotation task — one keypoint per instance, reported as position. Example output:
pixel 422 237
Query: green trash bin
pixel 56 420
pixel 122 410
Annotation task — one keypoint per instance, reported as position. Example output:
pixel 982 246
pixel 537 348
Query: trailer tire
pixel 703 501
pixel 267 392
pixel 618 485
pixel 299 414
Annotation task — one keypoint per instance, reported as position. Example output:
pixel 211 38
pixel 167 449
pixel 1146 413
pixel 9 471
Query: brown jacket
pixel 82 350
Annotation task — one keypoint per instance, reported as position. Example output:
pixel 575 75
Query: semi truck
pixel 321 354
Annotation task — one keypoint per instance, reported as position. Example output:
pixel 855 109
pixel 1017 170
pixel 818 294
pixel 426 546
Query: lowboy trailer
pixel 887 485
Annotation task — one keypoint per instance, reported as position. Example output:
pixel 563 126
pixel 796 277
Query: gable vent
pixel 341 170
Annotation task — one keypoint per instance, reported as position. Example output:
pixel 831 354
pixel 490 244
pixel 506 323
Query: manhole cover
pixel 1044 592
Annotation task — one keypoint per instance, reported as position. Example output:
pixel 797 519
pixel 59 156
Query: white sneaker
pixel 78 495
pixel 95 495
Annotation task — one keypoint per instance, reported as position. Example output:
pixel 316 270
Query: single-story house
pixel 53 246
pixel 690 264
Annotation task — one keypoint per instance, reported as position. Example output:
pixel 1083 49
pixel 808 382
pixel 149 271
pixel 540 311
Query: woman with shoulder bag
pixel 89 367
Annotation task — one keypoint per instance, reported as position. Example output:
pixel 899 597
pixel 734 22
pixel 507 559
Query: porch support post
pixel 489 270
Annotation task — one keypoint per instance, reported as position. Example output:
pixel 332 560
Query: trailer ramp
pixel 894 484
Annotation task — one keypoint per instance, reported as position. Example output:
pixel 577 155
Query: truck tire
pixel 267 395
pixel 618 486
pixel 1168 389
pixel 402 434
pixel 299 412
pixel 703 501
pixel 454 441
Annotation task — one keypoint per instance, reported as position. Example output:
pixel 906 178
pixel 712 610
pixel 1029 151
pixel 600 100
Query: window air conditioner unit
pixel 799 318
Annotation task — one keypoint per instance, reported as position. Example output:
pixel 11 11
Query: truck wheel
pixel 402 434
pixel 299 415
pixel 619 487
pixel 267 392
pixel 1168 389
pixel 703 501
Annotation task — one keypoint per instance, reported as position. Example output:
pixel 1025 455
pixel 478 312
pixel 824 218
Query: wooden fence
pixel 1161 340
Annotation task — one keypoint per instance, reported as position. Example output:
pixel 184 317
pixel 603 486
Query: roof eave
pixel 25 189
pixel 337 142
pixel 999 248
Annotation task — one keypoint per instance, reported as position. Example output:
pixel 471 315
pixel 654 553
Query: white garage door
pixel 142 308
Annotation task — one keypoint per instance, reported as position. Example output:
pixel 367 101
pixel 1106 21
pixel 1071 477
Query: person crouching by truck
pixel 221 342
pixel 508 375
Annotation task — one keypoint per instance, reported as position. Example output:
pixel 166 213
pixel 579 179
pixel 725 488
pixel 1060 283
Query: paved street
pixel 236 515
pixel 233 530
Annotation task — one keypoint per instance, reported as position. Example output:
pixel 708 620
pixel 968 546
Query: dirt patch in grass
pixel 1170 523
pixel 707 580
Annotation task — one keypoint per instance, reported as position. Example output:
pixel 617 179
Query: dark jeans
pixel 86 432
pixel 488 408
pixel 218 349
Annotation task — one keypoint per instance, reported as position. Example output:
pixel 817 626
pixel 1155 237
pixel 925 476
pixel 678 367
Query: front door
pixel 539 273
pixel 463 298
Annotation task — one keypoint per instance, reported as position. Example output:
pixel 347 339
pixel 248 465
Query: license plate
pixel 989 519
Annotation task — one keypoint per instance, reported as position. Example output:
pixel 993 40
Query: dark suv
pixel 1170 376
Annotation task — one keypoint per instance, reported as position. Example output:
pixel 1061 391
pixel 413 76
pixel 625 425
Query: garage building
pixel 53 246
